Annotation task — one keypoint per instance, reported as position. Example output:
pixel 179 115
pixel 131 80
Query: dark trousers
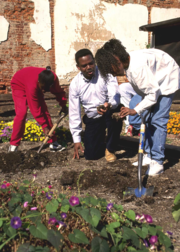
pixel 94 136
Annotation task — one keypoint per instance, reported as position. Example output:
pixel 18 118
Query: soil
pixel 98 178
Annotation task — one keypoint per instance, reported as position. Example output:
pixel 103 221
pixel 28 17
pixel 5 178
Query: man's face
pixel 86 65
pixel 119 69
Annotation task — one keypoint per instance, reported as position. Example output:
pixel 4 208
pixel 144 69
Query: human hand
pixel 64 109
pixel 77 146
pixel 127 111
pixel 104 108
pixel 46 131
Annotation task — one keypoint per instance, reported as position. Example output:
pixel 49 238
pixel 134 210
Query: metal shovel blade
pixel 140 192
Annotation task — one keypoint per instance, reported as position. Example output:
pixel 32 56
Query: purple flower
pixel 153 239
pixel 61 224
pixel 16 222
pixel 109 206
pixel 48 196
pixel 148 218
pixel 3 186
pixel 33 208
pixel 52 221
pixel 145 243
pixel 142 218
pixel 169 233
pixel 74 201
pixel 64 215
pixel 138 216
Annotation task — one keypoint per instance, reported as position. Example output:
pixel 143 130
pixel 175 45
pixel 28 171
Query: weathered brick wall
pixel 19 51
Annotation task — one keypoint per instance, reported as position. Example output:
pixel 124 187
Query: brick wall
pixel 19 51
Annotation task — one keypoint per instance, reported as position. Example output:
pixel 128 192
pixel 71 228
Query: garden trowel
pixel 140 190
pixel 62 115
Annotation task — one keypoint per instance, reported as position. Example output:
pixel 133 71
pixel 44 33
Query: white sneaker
pixel 55 146
pixel 12 148
pixel 154 168
pixel 146 160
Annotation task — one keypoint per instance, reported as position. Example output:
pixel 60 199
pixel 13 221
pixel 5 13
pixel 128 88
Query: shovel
pixel 138 192
pixel 52 129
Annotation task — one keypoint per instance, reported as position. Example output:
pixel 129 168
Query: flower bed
pixel 173 126
pixel 37 219
pixel 33 132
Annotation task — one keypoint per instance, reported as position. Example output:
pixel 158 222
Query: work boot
pixel 146 160
pixel 12 148
pixel 154 168
pixel 110 157
pixel 55 146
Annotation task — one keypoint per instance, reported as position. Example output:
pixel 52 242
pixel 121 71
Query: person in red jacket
pixel 28 87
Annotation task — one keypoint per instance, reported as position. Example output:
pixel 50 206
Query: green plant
pixel 176 208
pixel 40 219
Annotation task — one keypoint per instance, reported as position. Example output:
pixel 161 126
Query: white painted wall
pixel 41 29
pixel 163 14
pixel 124 22
pixel 4 28
pixel 80 24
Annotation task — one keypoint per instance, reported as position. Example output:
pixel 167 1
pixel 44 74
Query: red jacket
pixel 26 79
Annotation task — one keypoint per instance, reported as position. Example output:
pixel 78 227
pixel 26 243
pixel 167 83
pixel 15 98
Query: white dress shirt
pixel 89 93
pixel 152 73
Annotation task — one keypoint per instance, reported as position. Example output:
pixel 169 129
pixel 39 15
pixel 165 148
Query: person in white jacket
pixel 155 76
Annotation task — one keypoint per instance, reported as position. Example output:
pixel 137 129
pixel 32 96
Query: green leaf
pixel 41 249
pixel 52 206
pixel 14 200
pixel 115 216
pixel 2 212
pixel 141 232
pixel 91 215
pixel 122 245
pixel 59 200
pixel 164 239
pixel 177 199
pixel 27 197
pixel 110 227
pixel 1 223
pixel 99 245
pixel 65 208
pixel 118 207
pixel 26 182
pixel 39 232
pixel 9 230
pixel 90 201
pixel 17 211
pixel 34 216
pixel 100 230
pixel 152 230
pixel 62 196
pixel 131 249
pixel 128 234
pixel 22 188
pixel 130 214
pixel 26 247
pixel 78 237
pixel 176 215
pixel 54 238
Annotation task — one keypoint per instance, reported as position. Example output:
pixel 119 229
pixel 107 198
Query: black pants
pixel 94 136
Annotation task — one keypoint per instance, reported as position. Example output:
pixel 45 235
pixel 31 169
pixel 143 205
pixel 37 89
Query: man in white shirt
pixel 89 89
pixel 155 76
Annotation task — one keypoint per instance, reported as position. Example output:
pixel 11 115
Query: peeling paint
pixel 4 28
pixel 163 14
pixel 41 29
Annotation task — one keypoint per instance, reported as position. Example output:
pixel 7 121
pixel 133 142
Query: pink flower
pixel 43 192
pixel 148 219
pixel 25 204
pixel 4 181
pixel 153 239
pixel 8 184
pixel 138 216
pixel 50 186
pixel 74 201
pixel 33 208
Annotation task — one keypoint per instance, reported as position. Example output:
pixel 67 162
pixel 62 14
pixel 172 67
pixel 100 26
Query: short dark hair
pixel 46 78
pixel 82 53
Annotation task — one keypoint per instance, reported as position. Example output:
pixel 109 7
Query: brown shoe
pixel 110 157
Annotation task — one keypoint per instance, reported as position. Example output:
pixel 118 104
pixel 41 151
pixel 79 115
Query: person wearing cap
pixel 154 75
pixel 90 90
pixel 28 87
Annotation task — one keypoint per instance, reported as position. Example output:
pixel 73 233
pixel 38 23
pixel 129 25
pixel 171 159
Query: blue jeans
pixel 156 127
